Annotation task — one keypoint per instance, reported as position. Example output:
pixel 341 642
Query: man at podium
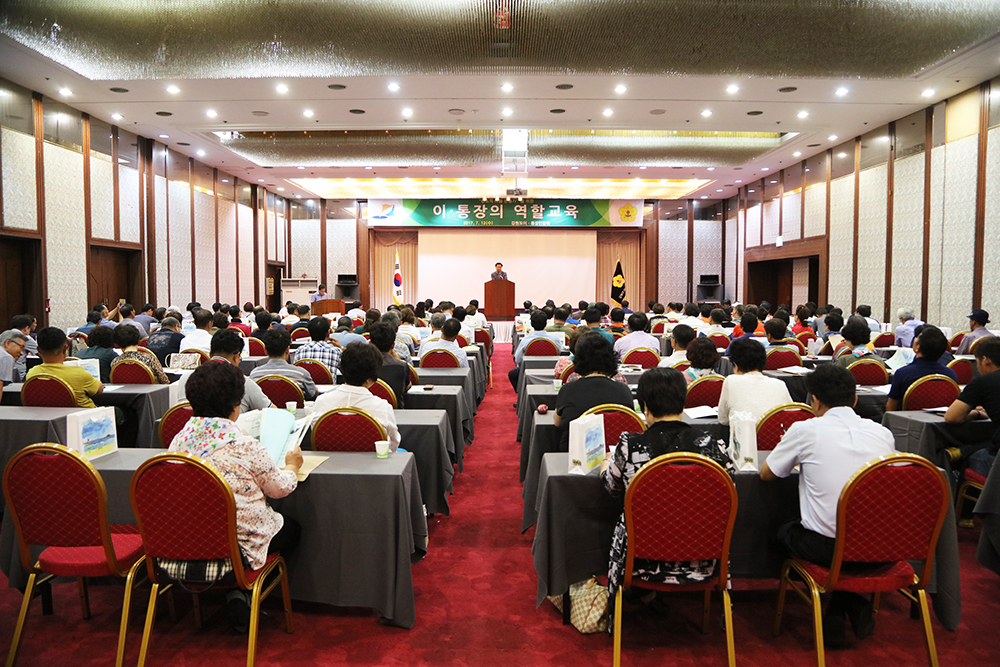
pixel 319 294
pixel 499 274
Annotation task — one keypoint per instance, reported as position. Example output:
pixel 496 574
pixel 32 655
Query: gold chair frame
pixel 927 378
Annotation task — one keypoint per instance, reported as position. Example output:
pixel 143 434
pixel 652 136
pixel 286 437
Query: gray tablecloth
pixel 461 377
pixel 247 364
pixel 362 528
pixel 576 518
pixel 988 510
pixel 448 398
pixel 927 434
pixel 535 364
pixel 870 405
pixel 20 427
pixel 145 402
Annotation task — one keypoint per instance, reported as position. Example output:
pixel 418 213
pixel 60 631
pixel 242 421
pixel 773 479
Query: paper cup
pixel 557 384
pixel 382 448
pixel 291 406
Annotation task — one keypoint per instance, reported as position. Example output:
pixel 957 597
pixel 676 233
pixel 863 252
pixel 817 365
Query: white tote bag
pixel 743 440
pixel 586 443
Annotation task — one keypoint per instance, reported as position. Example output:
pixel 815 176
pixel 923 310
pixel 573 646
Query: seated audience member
pixel 981 398
pixel 674 311
pixel 127 338
pixel 147 317
pixel 818 321
pixel 127 312
pixel 345 333
pixel 93 319
pixel 359 367
pixel 12 344
pixel 657 314
pixel 907 323
pixel 828 450
pixel 263 320
pixel 594 361
pixel 108 318
pixel 692 317
pixel 200 338
pixel 581 308
pixel 166 340
pixel 292 317
pixel 680 338
pixel 866 312
pixel 25 324
pixel 467 330
pixel 717 323
pixel 319 348
pixel 160 313
pixel 801 325
pixel 395 371
pixel 437 321
pixel 565 360
pixel 738 311
pixel 977 323
pixel 857 336
pixel 215 391
pixel 637 324
pixel 227 345
pixel 703 357
pixel 618 321
pixel 372 316
pixel 474 316
pixel 749 325
pixel 833 323
pixel 277 342
pixel 100 346
pixel 661 394
pixel 559 325
pixel 303 312
pixel 538 321
pixel 284 312
pixel 927 349
pixel 946 357
pixel 775 332
pixel 446 341
pixel 402 344
pixel 705 313
pixel 220 322
pixel 235 320
pixel 764 311
pixel 625 307
pixel 408 325
pixel 748 390
pixel 592 318
pixel 52 345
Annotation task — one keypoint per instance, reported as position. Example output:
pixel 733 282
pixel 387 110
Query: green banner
pixel 528 213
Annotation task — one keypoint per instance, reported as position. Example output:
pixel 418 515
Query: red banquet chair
pixel 257 348
pixel 660 327
pixel 187 512
pixel 173 421
pixel 931 391
pixel 346 430
pixel 970 488
pixel 720 340
pixel 47 391
pixel 131 371
pixel 682 365
pixel 566 372
pixel 772 426
pixel 541 347
pixel 238 329
pixel 320 372
pixel 659 530
pixel 704 391
pixel 461 340
pixel 782 358
pixel 281 390
pixel 300 333
pixel 617 420
pixel 384 391
pixel 795 344
pixel 956 340
pixel 964 369
pixel 869 372
pixel 805 336
pixel 414 377
pixel 57 499
pixel 644 356
pixel 439 359
pixel 826 350
pixel 841 351
pixel 975 344
pixel 483 336
pixel 889 513
pixel 80 336
pixel 884 339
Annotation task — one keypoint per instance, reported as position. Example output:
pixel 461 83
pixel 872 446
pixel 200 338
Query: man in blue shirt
pixel 538 322
pixel 592 316
pixel 904 331
pixel 928 348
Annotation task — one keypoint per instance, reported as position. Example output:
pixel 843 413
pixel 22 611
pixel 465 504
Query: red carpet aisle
pixel 475 596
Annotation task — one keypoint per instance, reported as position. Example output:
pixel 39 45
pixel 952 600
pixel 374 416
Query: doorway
pixel 791 281
pixel 272 287
pixel 20 279
pixel 115 275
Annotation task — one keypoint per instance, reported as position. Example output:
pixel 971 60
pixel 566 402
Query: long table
pixel 871 399
pixel 448 398
pixel 927 434
pixel 362 527
pixel 576 519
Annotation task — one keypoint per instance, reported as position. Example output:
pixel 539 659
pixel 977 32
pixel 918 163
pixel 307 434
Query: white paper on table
pixel 941 410
pixel 903 357
pixel 701 412
pixel 112 387
pixel 880 389
pixel 796 370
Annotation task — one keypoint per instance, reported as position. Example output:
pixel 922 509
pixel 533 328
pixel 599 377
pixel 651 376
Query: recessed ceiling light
pixel 574 167
pixel 211 113
pixel 841 92
pixel 719 190
pixel 620 88
pixel 803 114
pixel 367 167
pixel 841 154
pixel 393 86
pixel 225 180
pixel 833 137
pixel 506 87
pixel 506 112
pixel 641 167
pixel 117 116
pixel 164 136
pixel 733 89
pixel 308 113
pixel 435 168
pixel 927 93
pixel 704 196
pixel 173 90
pixel 706 113
pixel 281 189
pixel 260 180
pixel 281 88
pixel 751 191
pixel 608 112
pixel 201 153
pixel 765 169
pixel 300 167
pixel 797 154
pixel 774 182
pixel 711 168
pixel 407 112
pixel 739 180
pixel 65 92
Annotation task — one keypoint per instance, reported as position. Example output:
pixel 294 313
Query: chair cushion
pixel 91 561
pixel 974 477
pixel 879 578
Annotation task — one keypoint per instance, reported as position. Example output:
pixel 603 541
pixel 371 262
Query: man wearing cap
pixel 977 323
pixel 11 348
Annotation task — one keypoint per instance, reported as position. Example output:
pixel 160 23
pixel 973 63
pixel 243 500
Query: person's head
pixel 459 313
pixel 176 314
pixel 451 328
pixel 930 344
pixel 438 320
pixel 126 310
pixel 372 316
pixel 147 309
pixel 618 315
pixel 263 320
pixel 22 323
pixel 228 344
pixel 740 309
pixel 765 308
pixel 718 316
pixel 170 323
pixel 856 332
pixel 527 305
pixel 594 354
pixel 539 320
pixel 682 335
pixel 101 308
pixel 988 354
pixel 904 314
pixel 390 317
pixel 747 355
pixel 802 314
pixel 420 310
pixel 360 364
pixel 499 266
pixel 751 309
pixel 702 353
pixel 276 342
pixel 102 336
pixel 382 336
pixel 603 308
pixel 592 317
pixel 406 316
pixel 749 322
pixel 658 309
pixel 662 392
pixel 216 307
pixel 51 345
pixel 248 307
pixel 125 336
pixel 831 386
pixel 13 341
pixel 321 288
pixel 302 311
pixel 834 322
pixel 220 320
pixel 344 324
pixel 215 389
pixel 692 310
pixel 319 328
pixel 705 311
pixel 783 314
pixel 202 318
pixel 560 315
pixel 471 309
pixel 94 317
pixel 234 313
pixel 650 304
pixel 978 318
pixel 637 321
pixel 863 310
pixel 624 303
pixel 775 329
pixel 582 305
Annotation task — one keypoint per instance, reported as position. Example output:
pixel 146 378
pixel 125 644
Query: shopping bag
pixel 588 606
pixel 743 440
pixel 586 443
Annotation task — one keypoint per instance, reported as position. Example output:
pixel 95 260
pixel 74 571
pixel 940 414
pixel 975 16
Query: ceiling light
pixel 733 89
pixel 765 169
pixel 774 182
pixel 706 113
pixel 739 180
pixel 641 167
pixel 225 180
pixel 608 112
pixel 841 154
pixel 117 116
pixel 367 167
pixel 719 190
pixel 803 114
pixel 927 93
pixel 173 90
pixel 407 112
pixel 308 113
pixel 300 167
pixel 751 191
pixel 506 112
pixel 620 88
pixel 393 86
pixel 65 92
pixel 833 137
pixel 201 153
pixel 711 168
pixel 435 168
pixel 841 92
pixel 704 196
pixel 506 87
pixel 164 136
pixel 281 88
pixel 211 113
pixel 797 154
pixel 260 180
pixel 574 167
pixel 281 189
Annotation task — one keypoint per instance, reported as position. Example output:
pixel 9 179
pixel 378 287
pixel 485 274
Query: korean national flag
pixel 397 284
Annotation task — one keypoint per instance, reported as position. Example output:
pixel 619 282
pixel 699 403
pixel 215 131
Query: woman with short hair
pixel 748 390
pixel 703 357
pixel 128 339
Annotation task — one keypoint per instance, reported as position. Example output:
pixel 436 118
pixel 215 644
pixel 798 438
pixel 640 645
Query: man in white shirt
pixel 637 337
pixel 199 339
pixel 437 321
pixel 227 345
pixel 345 332
pixel 828 450
pixel 680 338
pixel 359 367
pixel 12 344
pixel 446 341
pixel 692 317
pixel 866 312
pixel 474 316
pixel 468 330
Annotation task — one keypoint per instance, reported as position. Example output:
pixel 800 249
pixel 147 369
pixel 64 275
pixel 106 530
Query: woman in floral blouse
pixel 661 393
pixel 128 339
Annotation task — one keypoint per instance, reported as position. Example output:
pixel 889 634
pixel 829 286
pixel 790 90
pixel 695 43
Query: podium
pixel 324 306
pixel 499 299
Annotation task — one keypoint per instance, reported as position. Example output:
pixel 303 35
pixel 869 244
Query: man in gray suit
pixel 499 274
